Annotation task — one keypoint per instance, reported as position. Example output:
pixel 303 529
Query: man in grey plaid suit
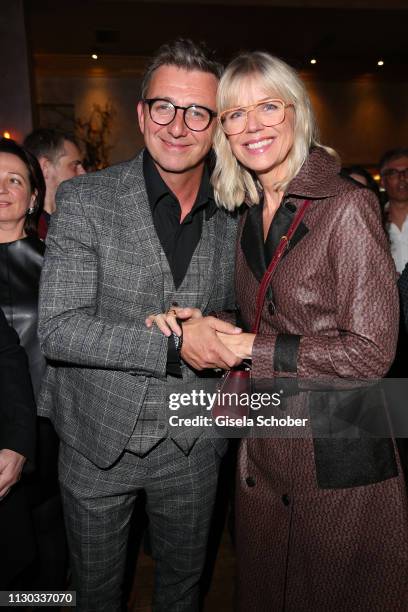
pixel 126 242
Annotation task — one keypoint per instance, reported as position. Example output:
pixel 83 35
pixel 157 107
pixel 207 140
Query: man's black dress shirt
pixel 179 240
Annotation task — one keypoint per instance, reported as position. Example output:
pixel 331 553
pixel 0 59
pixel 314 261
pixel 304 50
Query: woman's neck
pixel 10 232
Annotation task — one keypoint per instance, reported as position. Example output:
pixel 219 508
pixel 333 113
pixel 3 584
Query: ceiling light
pixel 313 61
pixel 94 56
pixel 380 63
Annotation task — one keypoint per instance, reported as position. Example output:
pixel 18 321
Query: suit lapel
pixel 214 233
pixel 135 210
pixel 200 274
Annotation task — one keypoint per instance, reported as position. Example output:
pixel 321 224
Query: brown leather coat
pixel 321 525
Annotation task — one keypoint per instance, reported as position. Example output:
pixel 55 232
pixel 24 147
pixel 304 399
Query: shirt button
pixel 250 481
pixel 285 499
pixel 271 308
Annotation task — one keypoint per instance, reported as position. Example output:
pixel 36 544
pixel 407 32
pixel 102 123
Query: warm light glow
pixel 94 56
pixel 380 63
pixel 6 135
pixel 313 61
pixel 377 178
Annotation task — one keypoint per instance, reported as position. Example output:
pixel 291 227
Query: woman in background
pixel 22 191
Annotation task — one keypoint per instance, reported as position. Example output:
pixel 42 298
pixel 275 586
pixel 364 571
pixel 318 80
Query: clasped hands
pixel 11 464
pixel 208 342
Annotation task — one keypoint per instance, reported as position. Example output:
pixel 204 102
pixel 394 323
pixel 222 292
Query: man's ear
pixel 140 115
pixel 45 166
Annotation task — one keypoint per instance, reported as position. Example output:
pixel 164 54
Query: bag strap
pixel 266 279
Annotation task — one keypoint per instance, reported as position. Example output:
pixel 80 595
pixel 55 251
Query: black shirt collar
pixel 156 188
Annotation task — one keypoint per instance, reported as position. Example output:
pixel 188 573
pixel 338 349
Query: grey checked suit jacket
pixel 104 271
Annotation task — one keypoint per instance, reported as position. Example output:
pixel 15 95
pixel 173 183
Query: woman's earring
pixel 30 210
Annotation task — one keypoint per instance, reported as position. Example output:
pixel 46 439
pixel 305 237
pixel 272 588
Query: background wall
pixel 84 92
pixel 15 97
pixel 360 118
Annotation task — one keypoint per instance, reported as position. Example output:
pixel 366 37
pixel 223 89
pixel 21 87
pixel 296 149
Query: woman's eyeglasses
pixel 268 112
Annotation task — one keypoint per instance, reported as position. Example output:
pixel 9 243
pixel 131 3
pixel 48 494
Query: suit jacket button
pixel 271 308
pixel 250 481
pixel 285 499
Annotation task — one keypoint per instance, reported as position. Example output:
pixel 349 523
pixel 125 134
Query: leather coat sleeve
pixel 17 407
pixel 70 329
pixel 366 305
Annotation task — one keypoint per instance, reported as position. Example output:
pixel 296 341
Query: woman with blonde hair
pixel 321 522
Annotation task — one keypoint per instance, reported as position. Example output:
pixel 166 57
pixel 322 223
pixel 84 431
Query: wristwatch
pixel 178 340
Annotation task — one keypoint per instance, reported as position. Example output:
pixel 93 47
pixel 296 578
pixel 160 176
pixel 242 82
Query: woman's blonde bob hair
pixel 233 183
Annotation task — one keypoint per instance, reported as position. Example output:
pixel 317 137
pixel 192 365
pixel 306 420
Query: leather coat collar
pixel 316 180
pixel 259 253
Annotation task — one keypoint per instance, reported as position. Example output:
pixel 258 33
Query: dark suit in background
pixel 17 433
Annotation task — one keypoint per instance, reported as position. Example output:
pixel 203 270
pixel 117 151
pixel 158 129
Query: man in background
pixel 60 159
pixel 394 175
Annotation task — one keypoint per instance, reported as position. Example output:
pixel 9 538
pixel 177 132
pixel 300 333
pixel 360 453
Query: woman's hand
pixel 167 321
pixel 11 464
pixel 241 344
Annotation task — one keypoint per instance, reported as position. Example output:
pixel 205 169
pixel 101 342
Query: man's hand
pixel 201 347
pixel 167 321
pixel 11 464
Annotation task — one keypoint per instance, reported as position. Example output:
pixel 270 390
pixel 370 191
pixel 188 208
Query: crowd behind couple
pixel 140 288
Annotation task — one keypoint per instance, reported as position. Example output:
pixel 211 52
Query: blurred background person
pixel 60 159
pixel 394 176
pixel 17 445
pixel 360 175
pixel 22 191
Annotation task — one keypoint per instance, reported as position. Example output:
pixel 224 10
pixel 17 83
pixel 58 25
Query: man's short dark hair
pixel 393 154
pixel 48 143
pixel 183 53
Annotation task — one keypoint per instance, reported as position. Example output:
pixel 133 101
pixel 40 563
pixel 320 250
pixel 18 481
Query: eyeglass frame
pixel 151 101
pixel 394 173
pixel 249 109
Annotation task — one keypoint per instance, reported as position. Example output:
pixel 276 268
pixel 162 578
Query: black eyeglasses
pixel 196 118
